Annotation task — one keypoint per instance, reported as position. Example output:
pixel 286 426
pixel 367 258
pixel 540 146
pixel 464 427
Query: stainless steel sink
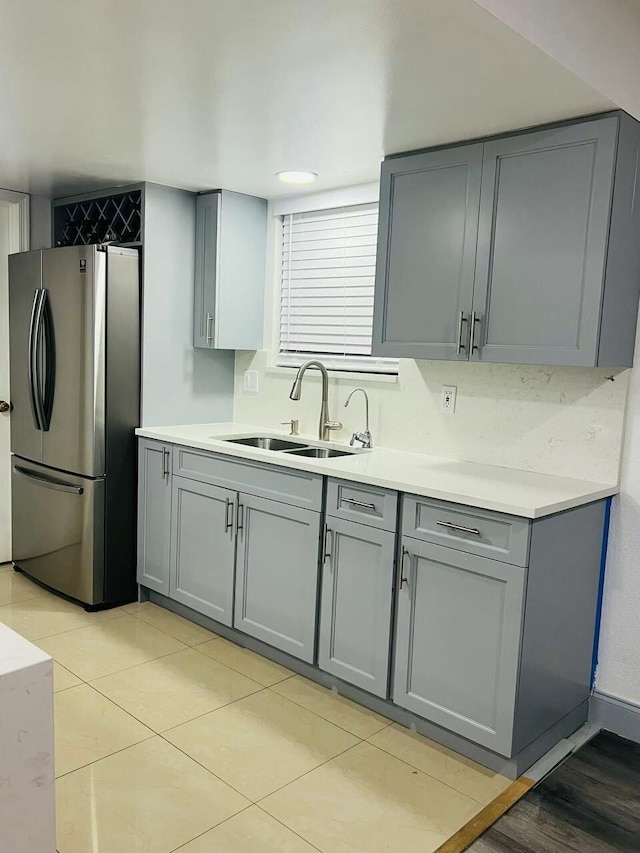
pixel 265 443
pixel 321 452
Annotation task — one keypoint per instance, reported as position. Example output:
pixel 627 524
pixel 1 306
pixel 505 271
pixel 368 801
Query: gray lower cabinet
pixel 203 548
pixel 355 619
pixel 277 574
pixel 458 639
pixel 154 515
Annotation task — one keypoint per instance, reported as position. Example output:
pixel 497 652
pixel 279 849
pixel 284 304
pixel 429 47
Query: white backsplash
pixel 555 420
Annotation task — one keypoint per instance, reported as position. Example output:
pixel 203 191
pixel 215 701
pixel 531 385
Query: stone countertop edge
pixel 512 491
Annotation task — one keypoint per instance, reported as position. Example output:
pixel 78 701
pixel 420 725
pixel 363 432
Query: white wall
pixel 619 654
pixel 180 384
pixel 40 222
pixel 599 41
pixel 566 421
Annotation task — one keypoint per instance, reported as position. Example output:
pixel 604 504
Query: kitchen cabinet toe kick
pixel 472 627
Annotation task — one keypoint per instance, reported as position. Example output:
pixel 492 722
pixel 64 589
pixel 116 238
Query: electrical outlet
pixel 449 399
pixel 250 382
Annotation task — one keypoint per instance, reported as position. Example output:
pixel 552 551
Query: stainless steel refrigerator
pixel 74 321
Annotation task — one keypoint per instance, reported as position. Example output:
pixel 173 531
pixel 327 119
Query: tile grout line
pixel 424 772
pixel 306 773
pixel 266 686
pixel 177 725
pixel 282 823
pixel 227 704
pixel 215 826
pixel 326 719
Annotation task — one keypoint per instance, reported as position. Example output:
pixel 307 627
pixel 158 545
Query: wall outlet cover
pixel 250 382
pixel 449 399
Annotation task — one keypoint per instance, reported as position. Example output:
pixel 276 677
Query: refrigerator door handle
pixel 49 383
pixel 34 394
pixel 49 482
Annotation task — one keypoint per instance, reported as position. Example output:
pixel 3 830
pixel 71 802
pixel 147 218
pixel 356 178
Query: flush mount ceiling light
pixel 296 177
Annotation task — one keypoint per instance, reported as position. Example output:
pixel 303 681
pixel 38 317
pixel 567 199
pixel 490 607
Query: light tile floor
pixel 169 738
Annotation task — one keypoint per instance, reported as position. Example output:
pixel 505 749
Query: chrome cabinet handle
pixel 239 515
pixel 354 502
pixel 166 467
pixel 209 328
pixel 326 554
pixel 228 522
pixel 460 527
pixel 475 320
pixel 402 580
pixel 461 321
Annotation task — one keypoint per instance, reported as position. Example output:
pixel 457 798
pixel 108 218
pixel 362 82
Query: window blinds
pixel 328 273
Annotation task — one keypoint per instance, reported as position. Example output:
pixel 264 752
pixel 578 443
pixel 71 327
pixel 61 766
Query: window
pixel 328 274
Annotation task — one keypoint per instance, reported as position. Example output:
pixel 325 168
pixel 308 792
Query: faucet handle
pixel 294 424
pixel 333 425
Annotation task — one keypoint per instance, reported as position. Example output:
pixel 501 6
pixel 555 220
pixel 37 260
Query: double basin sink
pixel 291 447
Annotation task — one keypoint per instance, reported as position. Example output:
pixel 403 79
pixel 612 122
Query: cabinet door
pixel 207 225
pixel 542 243
pixel 154 514
pixel 427 234
pixel 277 574
pixel 202 548
pixel 459 620
pixel 355 621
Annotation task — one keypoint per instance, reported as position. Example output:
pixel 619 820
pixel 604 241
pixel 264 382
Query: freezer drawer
pixel 58 529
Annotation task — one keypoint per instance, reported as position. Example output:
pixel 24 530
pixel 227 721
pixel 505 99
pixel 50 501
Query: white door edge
pixel 16 240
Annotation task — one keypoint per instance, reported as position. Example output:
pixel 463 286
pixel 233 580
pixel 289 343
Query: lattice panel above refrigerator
pixel 115 218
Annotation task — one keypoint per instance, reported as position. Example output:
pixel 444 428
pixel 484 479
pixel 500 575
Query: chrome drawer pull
pixel 452 526
pixel 354 502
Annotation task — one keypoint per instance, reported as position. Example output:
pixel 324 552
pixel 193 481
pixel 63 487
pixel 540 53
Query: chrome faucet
pixel 363 437
pixel 326 424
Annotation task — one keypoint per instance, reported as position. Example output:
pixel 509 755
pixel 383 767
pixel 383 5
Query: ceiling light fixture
pixel 296 177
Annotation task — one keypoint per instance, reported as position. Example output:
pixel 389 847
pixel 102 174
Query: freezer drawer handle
pixel 49 482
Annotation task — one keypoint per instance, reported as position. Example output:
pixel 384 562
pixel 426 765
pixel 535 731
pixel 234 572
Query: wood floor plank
pixel 589 804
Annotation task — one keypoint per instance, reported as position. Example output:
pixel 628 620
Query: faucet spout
pixel 326 424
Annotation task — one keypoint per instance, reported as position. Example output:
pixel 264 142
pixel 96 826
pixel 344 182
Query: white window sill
pixel 274 367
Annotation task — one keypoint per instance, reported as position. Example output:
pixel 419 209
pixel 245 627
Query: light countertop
pixel 521 493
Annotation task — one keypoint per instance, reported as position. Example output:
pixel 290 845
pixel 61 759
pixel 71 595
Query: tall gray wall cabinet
pixel 231 245
pixel 521 248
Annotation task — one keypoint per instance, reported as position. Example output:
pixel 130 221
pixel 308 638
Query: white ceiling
pixel 209 93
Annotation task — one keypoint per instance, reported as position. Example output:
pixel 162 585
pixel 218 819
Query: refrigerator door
pixel 25 295
pixel 58 524
pixel 71 340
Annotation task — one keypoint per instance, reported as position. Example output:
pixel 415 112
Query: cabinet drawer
pixel 267 481
pixel 478 531
pixel 366 504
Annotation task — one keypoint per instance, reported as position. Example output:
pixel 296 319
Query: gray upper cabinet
pixel 458 639
pixel 231 241
pixel 277 574
pixel 154 514
pixel 542 244
pixel 427 233
pixel 355 620
pixel 203 548
pixel 551 241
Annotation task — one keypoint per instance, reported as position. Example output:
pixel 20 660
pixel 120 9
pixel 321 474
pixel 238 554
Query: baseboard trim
pixel 615 715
